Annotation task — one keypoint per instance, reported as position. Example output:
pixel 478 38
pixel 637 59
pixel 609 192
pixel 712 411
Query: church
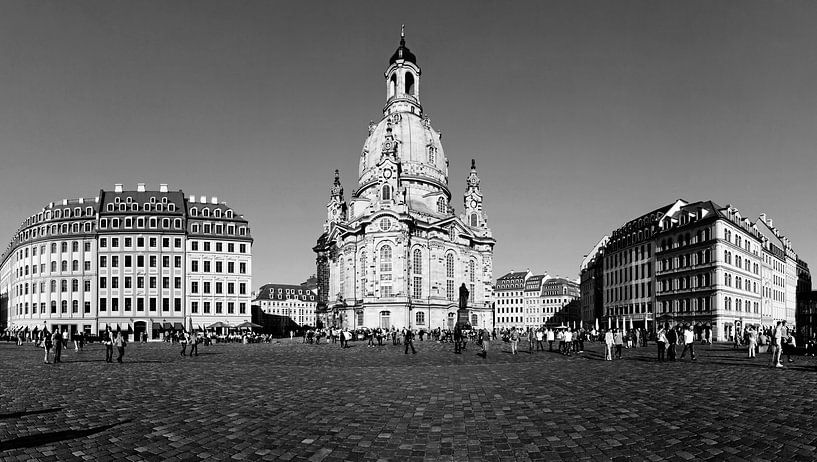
pixel 396 253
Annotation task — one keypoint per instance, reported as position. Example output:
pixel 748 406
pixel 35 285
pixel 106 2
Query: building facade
pixel 591 274
pixel 509 293
pixel 141 261
pixel 396 254
pixel 702 264
pixel 292 302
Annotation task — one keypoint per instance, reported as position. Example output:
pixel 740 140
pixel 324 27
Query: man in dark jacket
pixel 409 340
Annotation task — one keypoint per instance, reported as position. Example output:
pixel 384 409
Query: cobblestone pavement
pixel 289 401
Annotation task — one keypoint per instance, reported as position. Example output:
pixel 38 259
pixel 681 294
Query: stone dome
pixel 419 148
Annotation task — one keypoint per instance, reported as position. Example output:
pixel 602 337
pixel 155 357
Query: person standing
pixel 540 336
pixel 672 341
pixel 608 345
pixel 457 338
pixel 689 343
pixel 567 342
pixel 107 340
pixel 514 340
pixel 777 345
pixel 530 340
pixel 194 344
pixel 47 344
pixel 550 338
pixel 752 335
pixel 486 342
pixel 56 338
pixel 618 341
pixel 409 341
pixel 662 343
pixel 120 346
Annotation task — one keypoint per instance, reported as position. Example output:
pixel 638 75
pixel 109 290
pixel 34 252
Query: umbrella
pixel 609 323
pixel 631 323
pixel 597 324
pixel 645 323
pixel 248 325
pixel 218 325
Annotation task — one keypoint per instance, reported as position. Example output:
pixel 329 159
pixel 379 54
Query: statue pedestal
pixel 462 317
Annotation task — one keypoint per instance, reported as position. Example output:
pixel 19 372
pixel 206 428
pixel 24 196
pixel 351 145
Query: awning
pixel 178 326
pixel 156 326
pixel 168 326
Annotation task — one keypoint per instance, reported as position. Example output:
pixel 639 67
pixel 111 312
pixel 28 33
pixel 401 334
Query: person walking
pixel 540 336
pixel 409 341
pixel 567 342
pixel 672 341
pixel 120 343
pixel 752 335
pixel 514 337
pixel 486 343
pixel 777 345
pixel 608 345
pixel 107 340
pixel 183 342
pixel 56 338
pixel 662 343
pixel 194 344
pixel 457 339
pixel 689 343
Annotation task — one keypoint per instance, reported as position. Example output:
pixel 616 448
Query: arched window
pixel 392 85
pixel 409 78
pixel 441 205
pixel 474 221
pixel 472 269
pixel 64 306
pixel 385 271
pixel 449 275
pixel 417 261
pixel 385 193
pixel 75 306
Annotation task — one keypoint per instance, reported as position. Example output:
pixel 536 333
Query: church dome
pixel 403 52
pixel 419 148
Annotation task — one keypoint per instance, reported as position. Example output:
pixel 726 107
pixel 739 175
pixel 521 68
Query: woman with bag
pixel 45 340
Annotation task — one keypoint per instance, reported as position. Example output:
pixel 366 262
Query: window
pixel 242 268
pixel 64 285
pixel 449 274
pixel 473 220
pixel 194 307
pixel 114 304
pixel 194 266
pixel 385 193
pixel 165 304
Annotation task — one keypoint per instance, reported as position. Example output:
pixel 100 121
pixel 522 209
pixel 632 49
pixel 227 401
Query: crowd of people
pixel 777 341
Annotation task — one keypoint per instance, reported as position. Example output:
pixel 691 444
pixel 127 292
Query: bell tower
pixel 474 215
pixel 336 207
pixel 403 81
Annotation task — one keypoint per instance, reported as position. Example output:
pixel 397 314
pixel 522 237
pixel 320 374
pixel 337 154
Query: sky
pixel 581 115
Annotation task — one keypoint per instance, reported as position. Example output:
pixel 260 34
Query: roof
pixel 137 202
pixel 534 283
pixel 403 53
pixel 285 292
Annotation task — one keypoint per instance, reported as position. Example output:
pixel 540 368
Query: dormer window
pixel 109 208
pixel 229 214
pixel 205 212
pixel 194 212
pixel 217 213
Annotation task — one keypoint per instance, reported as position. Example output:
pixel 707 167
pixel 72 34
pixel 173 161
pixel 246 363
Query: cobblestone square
pixel 290 401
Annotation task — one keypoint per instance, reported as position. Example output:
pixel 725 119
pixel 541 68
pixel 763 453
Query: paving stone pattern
pixel 289 401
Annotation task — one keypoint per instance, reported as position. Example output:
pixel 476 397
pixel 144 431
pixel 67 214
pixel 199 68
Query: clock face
pixel 473 204
pixel 387 173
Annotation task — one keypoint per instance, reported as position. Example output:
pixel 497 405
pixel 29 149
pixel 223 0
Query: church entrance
pixel 451 320
pixel 385 322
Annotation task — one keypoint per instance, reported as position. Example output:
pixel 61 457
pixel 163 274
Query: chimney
pixel 81 200
pixel 163 188
pixel 203 199
pixel 117 188
pixel 192 199
pixel 214 200
pixel 65 202
pixel 763 216
pixel 140 187
pixel 770 222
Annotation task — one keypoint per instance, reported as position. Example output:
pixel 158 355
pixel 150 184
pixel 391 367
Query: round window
pixel 385 224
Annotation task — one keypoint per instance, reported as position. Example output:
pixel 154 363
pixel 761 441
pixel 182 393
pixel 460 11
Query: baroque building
pixel 137 260
pixel 396 254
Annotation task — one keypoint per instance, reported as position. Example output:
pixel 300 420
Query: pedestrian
pixel 47 344
pixel 76 341
pixel 120 344
pixel 550 338
pixel 107 340
pixel 486 343
pixel 662 343
pixel 752 342
pixel 777 345
pixel 457 338
pixel 790 347
pixel 567 342
pixel 540 336
pixel 608 345
pixel 672 341
pixel 618 342
pixel 194 344
pixel 183 341
pixel 689 343
pixel 514 340
pixel 530 340
pixel 56 338
pixel 409 340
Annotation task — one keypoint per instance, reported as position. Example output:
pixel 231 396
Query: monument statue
pixel 463 297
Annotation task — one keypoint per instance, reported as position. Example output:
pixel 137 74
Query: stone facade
pixel 396 254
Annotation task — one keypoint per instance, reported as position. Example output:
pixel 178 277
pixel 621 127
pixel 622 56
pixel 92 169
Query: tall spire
pixel 337 189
